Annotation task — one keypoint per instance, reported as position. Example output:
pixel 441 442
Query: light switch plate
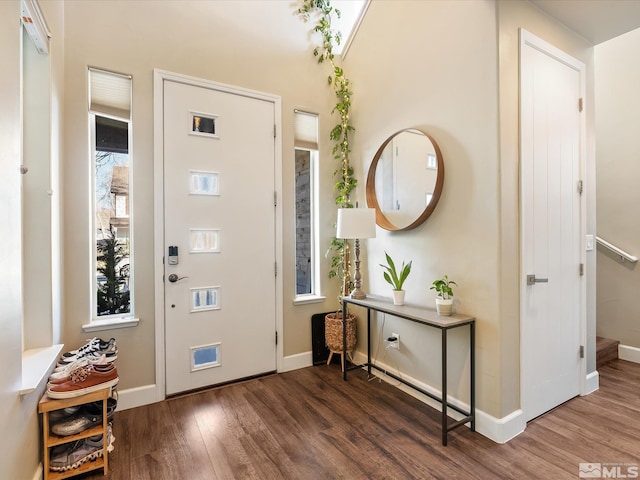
pixel 589 243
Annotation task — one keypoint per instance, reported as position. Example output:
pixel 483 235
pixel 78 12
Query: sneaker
pixel 98 367
pixel 63 413
pixel 64 372
pixel 73 454
pixel 89 416
pixel 81 421
pixel 85 380
pixel 110 351
pixel 90 346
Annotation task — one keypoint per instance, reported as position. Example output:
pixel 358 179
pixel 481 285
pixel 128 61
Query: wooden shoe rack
pixel 47 405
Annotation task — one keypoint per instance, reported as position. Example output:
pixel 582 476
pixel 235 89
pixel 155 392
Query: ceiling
pixel 595 20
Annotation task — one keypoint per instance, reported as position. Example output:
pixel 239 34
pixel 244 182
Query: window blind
pixel 306 130
pixel 110 94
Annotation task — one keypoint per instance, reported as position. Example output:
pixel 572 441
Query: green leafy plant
pixel 341 85
pixel 392 276
pixel 443 287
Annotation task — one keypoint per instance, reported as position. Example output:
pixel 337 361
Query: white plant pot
pixel 398 297
pixel 444 307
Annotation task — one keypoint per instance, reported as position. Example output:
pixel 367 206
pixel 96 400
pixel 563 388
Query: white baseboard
pixel 591 383
pixel 137 397
pixel 294 362
pixel 38 474
pixel 500 430
pixel 630 354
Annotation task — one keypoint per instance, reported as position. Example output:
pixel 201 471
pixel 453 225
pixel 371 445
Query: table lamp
pixel 356 223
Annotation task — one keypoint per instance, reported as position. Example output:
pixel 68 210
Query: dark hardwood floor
pixel 309 424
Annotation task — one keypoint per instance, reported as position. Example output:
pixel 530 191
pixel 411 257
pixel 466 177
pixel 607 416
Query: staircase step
pixel 606 351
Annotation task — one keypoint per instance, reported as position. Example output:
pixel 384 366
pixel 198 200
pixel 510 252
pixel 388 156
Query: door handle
pixel 532 280
pixel 173 278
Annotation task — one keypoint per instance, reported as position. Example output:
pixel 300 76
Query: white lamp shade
pixel 356 223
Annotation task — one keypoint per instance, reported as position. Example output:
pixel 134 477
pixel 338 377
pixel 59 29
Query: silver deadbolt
pixel 532 280
pixel 173 278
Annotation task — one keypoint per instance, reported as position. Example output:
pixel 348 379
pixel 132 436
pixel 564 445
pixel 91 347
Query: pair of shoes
pixel 83 380
pixel 92 344
pixel 88 416
pixel 96 349
pixel 72 455
pixel 64 372
pixel 98 367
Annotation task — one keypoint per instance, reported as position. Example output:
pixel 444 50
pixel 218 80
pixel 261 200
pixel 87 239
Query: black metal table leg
pixel 472 374
pixel 369 342
pixel 444 386
pixel 344 340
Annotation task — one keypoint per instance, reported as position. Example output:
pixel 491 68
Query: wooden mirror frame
pixel 372 199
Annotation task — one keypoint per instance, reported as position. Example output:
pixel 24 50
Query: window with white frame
pixel 112 219
pixel 306 161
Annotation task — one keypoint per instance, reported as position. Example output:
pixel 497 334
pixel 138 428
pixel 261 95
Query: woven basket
pixel 333 332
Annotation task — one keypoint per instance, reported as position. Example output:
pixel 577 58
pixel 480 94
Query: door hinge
pixel 275 199
pixel 274 130
pixel 275 269
pixel 581 351
pixel 581 269
pixel 580 186
pixel 580 105
pixel 276 337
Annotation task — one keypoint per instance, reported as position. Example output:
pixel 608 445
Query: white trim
pixel 628 353
pixel 591 383
pixel 528 39
pixel 37 363
pixel 110 324
pixel 355 29
pixel 39 472
pixel 160 76
pixel 309 298
pixel 137 397
pixel 297 361
pixel 500 430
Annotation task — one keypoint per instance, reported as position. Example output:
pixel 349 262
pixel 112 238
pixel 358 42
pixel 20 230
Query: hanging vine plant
pixel 345 181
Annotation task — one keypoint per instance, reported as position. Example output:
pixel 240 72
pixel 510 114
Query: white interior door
pixel 552 304
pixel 219 174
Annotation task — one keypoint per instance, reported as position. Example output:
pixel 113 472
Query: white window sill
pixel 110 324
pixel 36 364
pixel 308 299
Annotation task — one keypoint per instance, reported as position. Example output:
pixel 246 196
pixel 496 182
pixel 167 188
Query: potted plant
pixel 444 302
pixel 396 278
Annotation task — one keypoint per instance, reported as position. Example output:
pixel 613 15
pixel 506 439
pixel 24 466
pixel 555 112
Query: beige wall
pixel 450 68
pixel 617 75
pixel 437 71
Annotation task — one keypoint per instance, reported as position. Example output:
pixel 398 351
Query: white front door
pixel 552 303
pixel 219 236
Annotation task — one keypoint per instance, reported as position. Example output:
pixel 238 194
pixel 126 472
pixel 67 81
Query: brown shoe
pixel 84 380
pixel 100 368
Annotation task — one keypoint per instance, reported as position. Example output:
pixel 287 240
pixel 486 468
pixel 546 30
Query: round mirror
pixel 405 180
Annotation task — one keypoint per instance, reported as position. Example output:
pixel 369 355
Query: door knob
pixel 173 278
pixel 532 280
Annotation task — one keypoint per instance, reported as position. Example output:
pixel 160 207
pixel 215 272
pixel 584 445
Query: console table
pixel 428 317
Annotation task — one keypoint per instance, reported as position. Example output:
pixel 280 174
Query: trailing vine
pixel 345 181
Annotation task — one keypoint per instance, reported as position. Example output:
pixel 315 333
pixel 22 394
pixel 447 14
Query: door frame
pixel 531 40
pixel 159 77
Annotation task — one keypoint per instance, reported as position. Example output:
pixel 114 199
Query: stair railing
pixel 618 251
